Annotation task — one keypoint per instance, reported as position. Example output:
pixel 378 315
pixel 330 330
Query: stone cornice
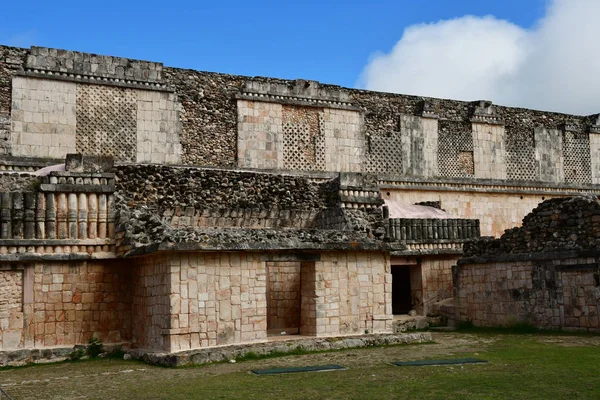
pixel 79 78
pixel 391 182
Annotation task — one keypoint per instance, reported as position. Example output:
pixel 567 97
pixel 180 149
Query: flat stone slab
pixel 303 343
pixel 314 368
pixel 455 361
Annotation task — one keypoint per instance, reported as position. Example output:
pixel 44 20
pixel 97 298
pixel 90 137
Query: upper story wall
pixel 65 102
pixel 54 102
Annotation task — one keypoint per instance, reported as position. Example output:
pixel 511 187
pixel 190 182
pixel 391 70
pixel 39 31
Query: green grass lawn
pixel 520 366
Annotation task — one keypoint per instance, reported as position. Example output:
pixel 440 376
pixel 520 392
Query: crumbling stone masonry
pixel 545 273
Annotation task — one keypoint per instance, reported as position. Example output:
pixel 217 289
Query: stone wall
pixel 12 59
pixel 75 302
pixel 151 306
pixel 11 309
pixel 201 118
pixel 495 211
pixel 15 182
pixel 216 299
pixel 545 273
pixel 51 118
pixel 154 186
pixel 44 116
pixel 570 223
pixel 550 293
pixel 292 137
pixel 353 294
pixel 48 304
pixel 436 278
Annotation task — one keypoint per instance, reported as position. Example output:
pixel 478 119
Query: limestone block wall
pixel 489 152
pixel 52 303
pixel 436 280
pixel 551 294
pixel 216 299
pixel 54 117
pixel 151 307
pixel 419 145
pixel 44 115
pixel 549 154
pixel 74 302
pixel 283 295
pixel 11 309
pixel 298 137
pixel 261 126
pixel 353 293
pixel 344 140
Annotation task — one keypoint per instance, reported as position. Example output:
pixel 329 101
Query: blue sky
pixel 330 41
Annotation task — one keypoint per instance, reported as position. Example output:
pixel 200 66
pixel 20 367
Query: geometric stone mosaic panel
pixel 107 121
pixel 576 153
pixel 303 141
pixel 455 149
pixel 385 154
pixel 521 164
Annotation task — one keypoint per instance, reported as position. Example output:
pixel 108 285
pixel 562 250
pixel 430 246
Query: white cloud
pixel 553 66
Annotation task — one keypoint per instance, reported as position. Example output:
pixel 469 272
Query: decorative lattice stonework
pixel 576 153
pixel 106 122
pixel 385 154
pixel 520 156
pixel 303 140
pixel 455 149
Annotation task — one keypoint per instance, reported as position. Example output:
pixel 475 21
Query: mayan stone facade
pixel 170 210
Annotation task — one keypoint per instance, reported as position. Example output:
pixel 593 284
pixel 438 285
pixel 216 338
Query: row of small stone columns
pixel 436 229
pixel 56 215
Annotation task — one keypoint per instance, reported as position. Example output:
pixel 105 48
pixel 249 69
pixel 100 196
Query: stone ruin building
pixel 545 273
pixel 168 209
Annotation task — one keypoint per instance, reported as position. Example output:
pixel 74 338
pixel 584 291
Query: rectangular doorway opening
pixel 401 289
pixel 284 298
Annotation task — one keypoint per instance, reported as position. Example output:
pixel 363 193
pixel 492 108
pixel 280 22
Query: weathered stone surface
pixel 16 182
pixel 196 357
pixel 571 223
pixel 162 188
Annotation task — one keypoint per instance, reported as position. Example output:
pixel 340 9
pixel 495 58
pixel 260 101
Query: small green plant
pixel 94 347
pixel 76 354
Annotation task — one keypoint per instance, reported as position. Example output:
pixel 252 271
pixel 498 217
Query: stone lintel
pixel 76 78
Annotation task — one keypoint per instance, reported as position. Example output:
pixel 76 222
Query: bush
pixel 94 347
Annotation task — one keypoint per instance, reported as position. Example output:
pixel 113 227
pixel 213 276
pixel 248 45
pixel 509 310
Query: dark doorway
pixel 401 293
pixel 283 298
